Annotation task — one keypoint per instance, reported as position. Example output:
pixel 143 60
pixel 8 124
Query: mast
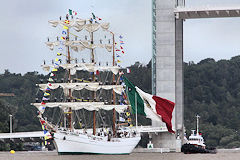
pixel 136 110
pixel 69 80
pixel 94 93
pixel 197 124
pixel 113 93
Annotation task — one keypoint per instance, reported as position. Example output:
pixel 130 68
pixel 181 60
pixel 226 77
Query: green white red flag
pixel 153 107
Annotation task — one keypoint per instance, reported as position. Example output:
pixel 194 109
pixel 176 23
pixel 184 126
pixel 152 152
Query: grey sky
pixel 24 29
pixel 217 38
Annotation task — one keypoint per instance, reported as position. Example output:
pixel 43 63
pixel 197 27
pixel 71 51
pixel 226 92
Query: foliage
pixel 211 89
pixel 24 88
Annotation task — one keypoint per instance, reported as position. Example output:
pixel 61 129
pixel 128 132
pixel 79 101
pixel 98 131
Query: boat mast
pixel 93 78
pixel 69 80
pixel 113 93
pixel 197 123
pixel 136 107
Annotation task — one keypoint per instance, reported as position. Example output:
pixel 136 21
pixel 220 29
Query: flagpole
pixel 136 110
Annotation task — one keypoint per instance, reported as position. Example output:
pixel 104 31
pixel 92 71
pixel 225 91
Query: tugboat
pixel 195 143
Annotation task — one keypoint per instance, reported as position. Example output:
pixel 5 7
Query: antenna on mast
pixel 197 123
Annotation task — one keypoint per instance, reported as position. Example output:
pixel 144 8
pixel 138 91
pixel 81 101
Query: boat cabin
pixel 196 139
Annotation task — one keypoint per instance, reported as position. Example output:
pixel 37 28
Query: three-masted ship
pixel 117 139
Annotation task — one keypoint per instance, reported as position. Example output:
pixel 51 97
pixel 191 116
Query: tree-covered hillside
pixel 24 88
pixel 211 89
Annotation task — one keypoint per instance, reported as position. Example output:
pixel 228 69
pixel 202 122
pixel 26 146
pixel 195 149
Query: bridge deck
pixel 22 135
pixel 149 129
pixel 207 12
pixel 37 134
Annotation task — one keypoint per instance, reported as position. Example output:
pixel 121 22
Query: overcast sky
pixel 217 38
pixel 24 29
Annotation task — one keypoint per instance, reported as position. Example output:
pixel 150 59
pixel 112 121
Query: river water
pixel 134 156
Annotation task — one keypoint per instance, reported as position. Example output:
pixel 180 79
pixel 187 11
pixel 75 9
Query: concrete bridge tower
pixel 167 65
pixel 167 57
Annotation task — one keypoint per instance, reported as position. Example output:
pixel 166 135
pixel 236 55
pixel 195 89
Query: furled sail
pixel 88 45
pixel 108 47
pixel 105 26
pixel 52 44
pixel 90 106
pixel 68 23
pixel 90 67
pixel 80 24
pixel 79 45
pixel 92 86
pixel 92 27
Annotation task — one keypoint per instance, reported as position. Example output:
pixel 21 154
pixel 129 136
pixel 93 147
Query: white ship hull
pixel 84 144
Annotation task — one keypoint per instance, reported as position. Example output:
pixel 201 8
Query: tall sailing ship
pixel 81 39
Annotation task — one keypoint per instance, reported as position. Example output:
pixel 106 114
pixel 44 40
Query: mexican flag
pixel 153 107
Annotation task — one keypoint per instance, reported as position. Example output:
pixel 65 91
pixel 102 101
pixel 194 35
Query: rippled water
pixel 133 156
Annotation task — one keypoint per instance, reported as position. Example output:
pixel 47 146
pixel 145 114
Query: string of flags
pixel 124 117
pixel 47 135
pixel 50 79
pixel 119 52
pixel 47 91
pixel 119 49
pixel 95 18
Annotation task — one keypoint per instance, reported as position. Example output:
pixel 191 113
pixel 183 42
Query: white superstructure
pixel 196 138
